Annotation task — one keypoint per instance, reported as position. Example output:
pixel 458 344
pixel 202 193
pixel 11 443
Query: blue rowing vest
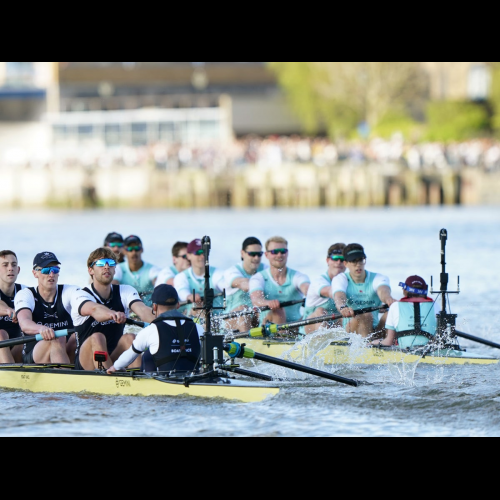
pixel 199 287
pixel 417 322
pixel 180 346
pixel 241 298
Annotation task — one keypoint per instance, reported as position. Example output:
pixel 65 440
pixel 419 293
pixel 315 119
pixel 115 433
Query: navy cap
pixel 44 259
pixel 165 295
pixel 113 238
pixel 132 239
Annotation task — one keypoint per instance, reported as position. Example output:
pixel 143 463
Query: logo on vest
pixel 47 315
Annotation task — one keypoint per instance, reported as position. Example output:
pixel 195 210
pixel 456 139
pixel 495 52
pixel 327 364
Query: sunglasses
pixel 134 249
pixel 255 254
pixel 50 270
pixel 337 257
pixel 199 252
pixel 282 251
pixel 104 262
pixel 185 257
pixel 115 245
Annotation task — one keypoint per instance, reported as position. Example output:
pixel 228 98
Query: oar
pixel 257 310
pixel 270 329
pixel 140 324
pixel 476 339
pixel 187 302
pixel 32 338
pixel 235 350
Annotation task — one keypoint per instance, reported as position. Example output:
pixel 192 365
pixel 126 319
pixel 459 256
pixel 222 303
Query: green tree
pixel 338 96
pixel 456 121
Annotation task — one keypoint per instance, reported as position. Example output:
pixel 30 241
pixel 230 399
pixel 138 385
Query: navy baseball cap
pixel 132 240
pixel 165 295
pixel 113 238
pixel 43 259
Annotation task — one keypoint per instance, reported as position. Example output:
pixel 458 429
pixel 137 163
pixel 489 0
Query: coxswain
pixel 172 339
pixel 358 288
pixel 116 243
pixel 135 272
pixel 100 312
pixel 193 279
pixel 411 322
pixel 237 280
pixel 278 284
pixel 9 327
pixel 319 300
pixel 180 264
pixel 45 310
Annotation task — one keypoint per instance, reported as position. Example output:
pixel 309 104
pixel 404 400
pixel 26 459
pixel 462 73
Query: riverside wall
pixel 302 186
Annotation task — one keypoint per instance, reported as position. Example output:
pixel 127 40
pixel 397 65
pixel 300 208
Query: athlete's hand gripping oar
pixel 476 339
pixel 256 310
pixel 235 350
pixel 33 338
pixel 270 329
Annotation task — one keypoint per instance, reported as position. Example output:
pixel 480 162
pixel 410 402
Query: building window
pixel 479 82
pixel 20 73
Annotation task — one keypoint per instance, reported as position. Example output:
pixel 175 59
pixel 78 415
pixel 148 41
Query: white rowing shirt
pixel 314 297
pixel 235 273
pixel 25 299
pixel 146 339
pixel 183 287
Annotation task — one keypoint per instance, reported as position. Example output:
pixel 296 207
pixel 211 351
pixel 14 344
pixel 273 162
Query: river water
pixel 420 400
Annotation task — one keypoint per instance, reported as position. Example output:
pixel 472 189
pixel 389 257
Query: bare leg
pixel 244 323
pixel 51 352
pixel 71 349
pixel 362 325
pixel 380 331
pixel 314 328
pixel 124 345
pixel 96 342
pixel 17 354
pixel 277 317
pixel 5 354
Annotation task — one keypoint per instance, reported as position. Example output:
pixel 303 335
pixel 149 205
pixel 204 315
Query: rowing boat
pixel 344 352
pixel 52 379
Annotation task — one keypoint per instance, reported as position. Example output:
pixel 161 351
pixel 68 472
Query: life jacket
pixel 417 326
pixel 111 330
pixel 6 323
pixel 179 346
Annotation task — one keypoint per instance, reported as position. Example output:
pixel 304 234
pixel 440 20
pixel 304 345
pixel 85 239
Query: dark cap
pixel 43 259
pixel 113 238
pixel 165 295
pixel 194 246
pixel 132 240
pixel 251 241
pixel 416 285
pixel 354 252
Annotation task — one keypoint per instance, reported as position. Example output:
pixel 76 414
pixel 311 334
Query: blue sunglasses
pixel 104 262
pixel 50 270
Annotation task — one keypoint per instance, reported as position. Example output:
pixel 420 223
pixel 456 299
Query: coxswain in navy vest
pixel 44 310
pixel 412 321
pixel 100 312
pixel 9 326
pixel 358 288
pixel 172 339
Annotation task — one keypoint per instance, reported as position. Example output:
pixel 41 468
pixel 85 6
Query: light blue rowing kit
pixel 315 300
pixel 238 298
pixel 416 321
pixel 142 280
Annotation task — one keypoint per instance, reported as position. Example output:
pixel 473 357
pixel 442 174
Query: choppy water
pixel 401 400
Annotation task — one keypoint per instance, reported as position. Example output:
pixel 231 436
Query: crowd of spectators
pixel 277 151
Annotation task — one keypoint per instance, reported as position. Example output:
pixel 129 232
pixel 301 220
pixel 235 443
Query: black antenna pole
pixel 209 292
pixel 443 236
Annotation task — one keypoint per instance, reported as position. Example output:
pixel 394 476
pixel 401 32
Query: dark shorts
pixel 28 358
pixel 78 366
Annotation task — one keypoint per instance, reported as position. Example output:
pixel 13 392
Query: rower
pixel 181 263
pixel 100 312
pixel 172 339
pixel 412 321
pixel 135 272
pixel 359 289
pixel 278 284
pixel 116 243
pixel 9 327
pixel 319 301
pixel 237 280
pixel 194 279
pixel 44 310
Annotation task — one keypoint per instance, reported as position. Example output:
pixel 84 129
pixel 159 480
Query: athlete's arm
pixel 29 327
pixel 257 285
pixel 5 310
pixel 143 311
pixel 142 343
pixel 304 288
pixel 102 313
pixel 389 341
pixel 326 292
pixel 384 294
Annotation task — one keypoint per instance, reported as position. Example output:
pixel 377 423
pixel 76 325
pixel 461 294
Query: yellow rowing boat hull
pixel 341 353
pixel 43 380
